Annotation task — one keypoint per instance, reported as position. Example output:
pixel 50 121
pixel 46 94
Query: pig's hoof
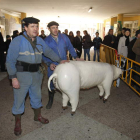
pixel 101 97
pixel 64 107
pixel 104 100
pixel 72 113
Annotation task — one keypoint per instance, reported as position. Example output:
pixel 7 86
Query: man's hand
pixel 64 61
pixel 15 83
pixel 52 66
pixel 79 59
pixel 112 42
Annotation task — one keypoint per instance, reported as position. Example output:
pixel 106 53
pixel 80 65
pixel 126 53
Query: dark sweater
pixel 97 42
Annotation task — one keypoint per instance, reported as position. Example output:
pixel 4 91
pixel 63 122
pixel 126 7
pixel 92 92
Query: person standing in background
pixel 96 43
pixel 7 42
pixel 71 37
pixel 132 55
pixel 78 44
pixel 43 36
pixel 118 38
pixel 66 32
pixel 123 46
pixel 136 50
pixel 86 44
pixel 109 40
pixel 2 57
pixel 15 34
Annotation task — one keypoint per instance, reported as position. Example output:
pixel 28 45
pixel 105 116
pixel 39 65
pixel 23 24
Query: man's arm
pixel 48 52
pixel 12 56
pixel 136 47
pixel 11 60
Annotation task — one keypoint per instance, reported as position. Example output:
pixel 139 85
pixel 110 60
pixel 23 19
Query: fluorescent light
pixel 90 9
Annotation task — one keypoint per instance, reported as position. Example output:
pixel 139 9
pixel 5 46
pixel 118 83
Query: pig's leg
pixel 101 89
pixel 107 91
pixel 65 100
pixel 74 99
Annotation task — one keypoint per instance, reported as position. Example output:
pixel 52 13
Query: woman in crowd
pixel 123 45
pixel 71 37
pixel 86 44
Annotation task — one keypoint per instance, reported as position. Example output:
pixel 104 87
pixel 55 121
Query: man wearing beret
pixel 23 62
pixel 59 43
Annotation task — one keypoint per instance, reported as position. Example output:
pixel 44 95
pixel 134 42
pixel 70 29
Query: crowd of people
pixel 27 50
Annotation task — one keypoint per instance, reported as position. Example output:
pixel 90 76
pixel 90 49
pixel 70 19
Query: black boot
pixel 17 129
pixel 50 102
pixel 38 117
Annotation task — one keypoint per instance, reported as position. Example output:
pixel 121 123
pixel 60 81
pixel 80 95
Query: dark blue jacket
pixel 97 42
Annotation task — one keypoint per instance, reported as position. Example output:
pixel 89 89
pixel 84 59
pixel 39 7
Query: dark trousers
pixel 70 57
pixel 96 51
pixel 2 61
pixel 87 51
pixel 79 53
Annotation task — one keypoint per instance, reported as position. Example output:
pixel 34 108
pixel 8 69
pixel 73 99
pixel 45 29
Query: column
pixel 119 22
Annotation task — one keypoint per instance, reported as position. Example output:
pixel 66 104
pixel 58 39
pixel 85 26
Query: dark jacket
pixel 108 39
pixel 136 50
pixel 71 40
pixel 43 37
pixel 7 43
pixel 87 43
pixel 78 43
pixel 117 40
pixel 97 42
pixel 131 54
pixel 2 44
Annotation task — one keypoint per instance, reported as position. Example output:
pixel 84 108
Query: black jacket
pixel 87 43
pixel 78 43
pixel 108 39
pixel 97 42
pixel 2 44
pixel 43 37
pixel 131 54
pixel 117 40
pixel 71 40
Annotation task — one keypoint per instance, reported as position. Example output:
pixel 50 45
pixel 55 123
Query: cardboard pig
pixel 70 77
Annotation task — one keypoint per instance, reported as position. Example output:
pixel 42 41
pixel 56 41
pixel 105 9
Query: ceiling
pixel 72 10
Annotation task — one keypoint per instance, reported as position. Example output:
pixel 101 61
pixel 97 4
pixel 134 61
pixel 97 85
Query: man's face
pixel 78 33
pixel 66 31
pixel 54 30
pixel 42 32
pixel 138 36
pixel 32 30
pixel 127 33
pixel 111 32
pixel 97 34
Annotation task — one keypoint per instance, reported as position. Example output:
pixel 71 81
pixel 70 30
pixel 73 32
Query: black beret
pixel 31 20
pixel 137 32
pixel 123 28
pixel 52 23
pixel 7 36
pixel 127 29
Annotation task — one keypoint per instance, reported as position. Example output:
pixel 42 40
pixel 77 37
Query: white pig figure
pixel 70 77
